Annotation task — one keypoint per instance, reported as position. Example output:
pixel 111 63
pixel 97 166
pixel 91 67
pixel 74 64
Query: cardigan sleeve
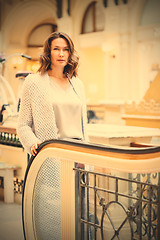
pixel 25 119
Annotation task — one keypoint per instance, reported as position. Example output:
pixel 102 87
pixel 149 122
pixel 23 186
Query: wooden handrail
pixel 142 145
pixel 125 159
pixel 104 150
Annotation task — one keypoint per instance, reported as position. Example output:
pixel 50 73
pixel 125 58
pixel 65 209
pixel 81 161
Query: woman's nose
pixel 61 53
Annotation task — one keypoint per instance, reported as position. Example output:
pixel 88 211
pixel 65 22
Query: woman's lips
pixel 60 60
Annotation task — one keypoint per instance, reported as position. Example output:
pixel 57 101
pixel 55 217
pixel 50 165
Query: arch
pixel 150 14
pixel 136 9
pixel 35 41
pixel 46 28
pixel 94 16
pixel 23 17
pixel 78 13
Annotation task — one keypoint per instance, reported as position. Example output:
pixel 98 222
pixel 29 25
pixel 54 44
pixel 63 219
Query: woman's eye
pixel 55 48
pixel 66 49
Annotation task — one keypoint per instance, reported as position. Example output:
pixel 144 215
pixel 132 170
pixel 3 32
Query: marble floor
pixel 11 221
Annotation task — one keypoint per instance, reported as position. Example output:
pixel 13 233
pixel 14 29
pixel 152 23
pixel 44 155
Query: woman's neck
pixel 59 78
pixel 56 73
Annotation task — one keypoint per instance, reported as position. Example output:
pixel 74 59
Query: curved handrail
pixel 111 157
pixel 73 145
pixel 121 157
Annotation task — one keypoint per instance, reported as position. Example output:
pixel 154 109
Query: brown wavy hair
pixel 45 59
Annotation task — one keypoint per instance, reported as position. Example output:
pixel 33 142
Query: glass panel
pixel 99 18
pixel 94 18
pixel 88 21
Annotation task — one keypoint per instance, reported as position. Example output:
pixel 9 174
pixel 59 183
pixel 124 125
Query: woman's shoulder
pixel 34 79
pixel 34 84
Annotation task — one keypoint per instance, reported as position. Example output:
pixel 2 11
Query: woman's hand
pixel 34 149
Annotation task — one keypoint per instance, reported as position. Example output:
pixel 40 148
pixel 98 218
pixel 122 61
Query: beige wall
pixel 92 73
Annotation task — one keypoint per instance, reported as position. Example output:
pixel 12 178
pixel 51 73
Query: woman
pixel 53 100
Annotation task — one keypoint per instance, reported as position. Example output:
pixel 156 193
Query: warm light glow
pixel 17 61
pixel 33 66
pixel 107 47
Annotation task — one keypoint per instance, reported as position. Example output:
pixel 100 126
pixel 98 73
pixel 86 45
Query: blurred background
pixel 118 42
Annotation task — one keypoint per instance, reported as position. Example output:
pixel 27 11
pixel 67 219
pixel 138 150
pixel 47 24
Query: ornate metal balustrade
pixel 113 207
pixel 18 184
pixel 10 139
pixel 150 201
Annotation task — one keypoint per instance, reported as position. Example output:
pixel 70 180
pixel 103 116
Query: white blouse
pixel 67 107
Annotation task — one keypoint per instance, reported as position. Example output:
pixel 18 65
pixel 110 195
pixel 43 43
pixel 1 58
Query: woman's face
pixel 59 52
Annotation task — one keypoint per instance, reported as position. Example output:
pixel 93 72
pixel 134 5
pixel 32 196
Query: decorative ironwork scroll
pixel 113 213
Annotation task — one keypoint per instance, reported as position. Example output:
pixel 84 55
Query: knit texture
pixel 36 122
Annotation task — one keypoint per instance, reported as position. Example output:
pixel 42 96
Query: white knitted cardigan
pixel 36 122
